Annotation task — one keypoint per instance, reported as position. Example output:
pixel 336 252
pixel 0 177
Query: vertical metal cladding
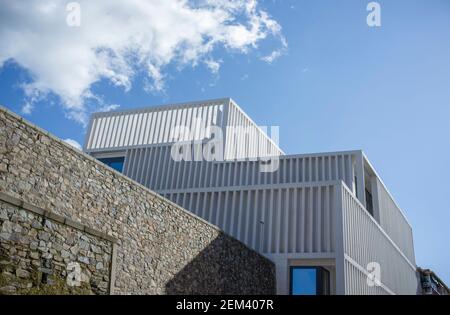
pixel 288 219
pixel 153 125
pixel 366 242
pixel 155 161
pixel 395 224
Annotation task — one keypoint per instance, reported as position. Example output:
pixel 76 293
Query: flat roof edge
pixel 225 100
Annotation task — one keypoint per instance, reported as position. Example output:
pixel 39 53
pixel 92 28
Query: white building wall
pixel 366 242
pixel 157 125
pixel 306 168
pixel 153 125
pixel 270 219
pixel 394 223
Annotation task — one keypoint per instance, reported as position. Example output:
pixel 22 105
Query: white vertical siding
pixel 151 126
pixel 277 224
pixel 364 242
pixel 394 223
pixel 292 169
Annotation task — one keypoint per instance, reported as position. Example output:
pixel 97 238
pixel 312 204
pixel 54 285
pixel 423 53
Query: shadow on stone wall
pixel 224 267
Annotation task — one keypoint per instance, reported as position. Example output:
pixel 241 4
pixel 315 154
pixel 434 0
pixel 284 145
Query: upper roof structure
pixel 156 125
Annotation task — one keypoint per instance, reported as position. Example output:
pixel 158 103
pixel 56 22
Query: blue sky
pixel 340 85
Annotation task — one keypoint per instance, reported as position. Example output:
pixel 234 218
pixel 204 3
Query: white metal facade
pixel 155 125
pixel 311 210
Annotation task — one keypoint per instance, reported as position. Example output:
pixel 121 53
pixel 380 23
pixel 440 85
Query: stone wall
pixel 161 248
pixel 38 255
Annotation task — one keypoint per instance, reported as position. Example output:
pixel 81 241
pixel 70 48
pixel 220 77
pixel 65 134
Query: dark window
pixel 309 281
pixel 369 202
pixel 115 162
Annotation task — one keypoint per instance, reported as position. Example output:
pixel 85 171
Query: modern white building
pixel 326 219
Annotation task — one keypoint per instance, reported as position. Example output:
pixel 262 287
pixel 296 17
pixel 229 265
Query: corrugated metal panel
pixel 356 281
pixel 152 126
pixel 394 223
pixel 365 242
pixel 292 169
pixel 290 219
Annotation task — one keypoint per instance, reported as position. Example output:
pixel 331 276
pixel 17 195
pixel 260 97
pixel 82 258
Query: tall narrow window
pixel 309 281
pixel 369 202
pixel 114 162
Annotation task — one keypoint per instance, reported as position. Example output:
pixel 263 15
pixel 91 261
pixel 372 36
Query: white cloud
pixel 108 108
pixel 213 65
pixel 276 53
pixel 27 108
pixel 117 38
pixel 73 143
